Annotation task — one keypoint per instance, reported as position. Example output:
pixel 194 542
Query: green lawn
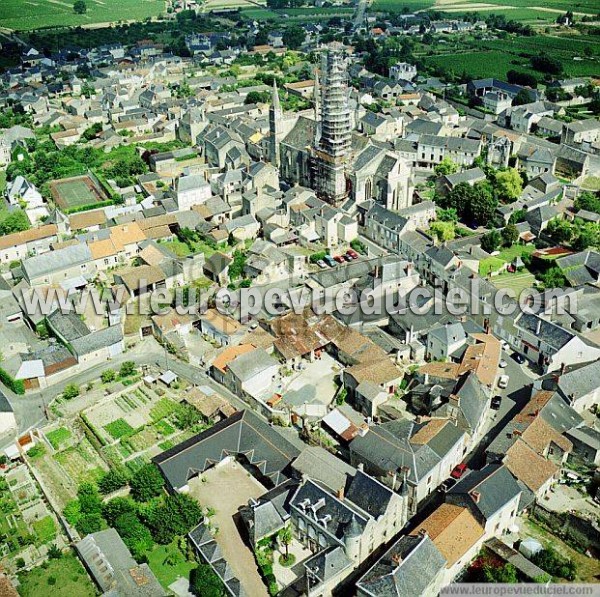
pixel 517 282
pixel 508 254
pixel 177 247
pixel 33 14
pixel 64 577
pixel 45 529
pixel 168 564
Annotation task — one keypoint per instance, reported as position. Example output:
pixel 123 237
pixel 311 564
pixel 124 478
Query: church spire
pixel 275 99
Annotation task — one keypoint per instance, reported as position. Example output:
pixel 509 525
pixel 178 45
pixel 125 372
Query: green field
pixel 32 14
pixel 168 564
pixel 64 577
pixel 306 14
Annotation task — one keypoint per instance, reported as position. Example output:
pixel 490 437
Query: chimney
pixel 476 496
pixel 563 367
pixel 396 558
pixel 486 325
pixel 340 493
pixel 361 466
pixel 538 326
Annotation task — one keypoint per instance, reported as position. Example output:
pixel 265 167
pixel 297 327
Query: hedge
pixel 16 385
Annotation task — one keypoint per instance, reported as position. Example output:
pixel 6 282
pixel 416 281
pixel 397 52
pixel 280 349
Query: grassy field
pixel 33 14
pixel 311 14
pixel 168 564
pixel 61 578
pixel 478 64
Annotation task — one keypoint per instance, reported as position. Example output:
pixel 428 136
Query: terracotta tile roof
pixel 533 407
pixel 27 236
pixel 230 354
pixel 379 372
pixel 225 324
pixel 428 432
pixel 528 466
pixel 453 530
pixel 441 370
pixel 102 248
pixel 482 358
pixel 151 255
pixel 126 234
pixel 87 219
pixel 539 435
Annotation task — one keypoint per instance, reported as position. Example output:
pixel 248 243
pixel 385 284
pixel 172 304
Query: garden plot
pixel 136 425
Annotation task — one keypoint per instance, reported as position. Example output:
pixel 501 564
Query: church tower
pixel 275 116
pixel 333 145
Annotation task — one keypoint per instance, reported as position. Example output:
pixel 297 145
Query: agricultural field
pixel 305 14
pixel 524 10
pixel 23 15
pixel 494 57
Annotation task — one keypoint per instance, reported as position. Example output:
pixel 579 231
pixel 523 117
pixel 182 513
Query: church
pixel 324 152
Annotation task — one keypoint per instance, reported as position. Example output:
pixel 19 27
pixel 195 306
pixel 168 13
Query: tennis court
pixel 72 193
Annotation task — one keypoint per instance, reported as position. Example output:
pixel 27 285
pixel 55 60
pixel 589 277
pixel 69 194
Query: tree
pixel 80 7
pixel 482 203
pixel 16 221
pixel 108 376
pixel 523 97
pixel 293 37
pixel 176 515
pixel 135 535
pixel 588 201
pixel 116 507
pixel 54 553
pixel 559 231
pixel 510 235
pixel 501 574
pixel 508 184
pixel 205 583
pixel 447 215
pixel 443 230
pixel 112 480
pixel 286 537
pixel 588 235
pixel 445 167
pixel 92 132
pixel 258 97
pixel 71 391
pixel 127 369
pixel 555 564
pixel 491 241
pixel 90 523
pixel 146 483
pixel 553 278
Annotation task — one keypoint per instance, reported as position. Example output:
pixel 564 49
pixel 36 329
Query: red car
pixel 352 253
pixel 458 471
pixel 339 259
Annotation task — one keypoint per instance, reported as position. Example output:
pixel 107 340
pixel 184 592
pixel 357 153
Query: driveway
pixel 226 487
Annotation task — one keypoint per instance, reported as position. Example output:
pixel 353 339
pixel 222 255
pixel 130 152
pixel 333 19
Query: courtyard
pixel 223 489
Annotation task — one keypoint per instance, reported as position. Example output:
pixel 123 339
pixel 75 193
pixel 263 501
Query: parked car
pixel 347 257
pixel 339 259
pixel 496 402
pixel 322 264
pixel 503 381
pixel 447 485
pixel 328 259
pixel 518 357
pixel 502 364
pixel 458 471
pixel 505 346
pixel 352 253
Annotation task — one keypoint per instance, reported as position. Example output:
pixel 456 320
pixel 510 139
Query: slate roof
pixel 369 494
pixel 249 365
pixel 53 261
pixel 409 567
pixel 319 464
pixel 97 340
pixel 494 485
pixel 550 333
pixel 241 433
pixel 580 380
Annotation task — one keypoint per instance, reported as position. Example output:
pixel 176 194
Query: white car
pixel 505 346
pixel 502 364
pixel 503 381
